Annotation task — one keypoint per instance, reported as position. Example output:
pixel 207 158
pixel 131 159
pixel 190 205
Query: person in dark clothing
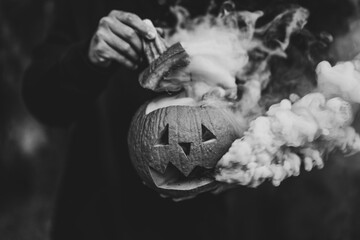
pixel 84 77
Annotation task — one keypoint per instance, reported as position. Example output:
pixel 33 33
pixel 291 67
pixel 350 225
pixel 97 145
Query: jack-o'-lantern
pixel 175 148
pixel 176 142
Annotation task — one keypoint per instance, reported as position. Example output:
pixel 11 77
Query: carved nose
pixel 186 147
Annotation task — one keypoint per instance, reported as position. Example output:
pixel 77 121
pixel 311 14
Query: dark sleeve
pixel 61 82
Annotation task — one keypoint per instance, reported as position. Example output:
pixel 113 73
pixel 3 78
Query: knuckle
pixel 114 12
pixel 128 63
pixel 129 17
pixel 99 35
pixel 130 34
pixel 95 39
pixel 105 21
pixel 100 51
pixel 127 48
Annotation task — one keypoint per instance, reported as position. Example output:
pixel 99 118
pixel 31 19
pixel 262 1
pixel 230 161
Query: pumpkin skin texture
pixel 175 149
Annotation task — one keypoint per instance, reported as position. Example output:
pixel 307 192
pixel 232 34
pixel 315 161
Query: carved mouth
pixel 173 179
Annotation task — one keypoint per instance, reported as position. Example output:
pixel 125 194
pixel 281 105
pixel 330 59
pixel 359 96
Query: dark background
pixel 31 155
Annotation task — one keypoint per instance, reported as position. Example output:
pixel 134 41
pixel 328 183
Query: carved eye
pixel 206 134
pixel 164 137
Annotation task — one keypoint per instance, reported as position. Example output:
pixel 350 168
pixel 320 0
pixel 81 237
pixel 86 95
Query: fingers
pixel 102 54
pixel 125 32
pixel 153 48
pixel 159 44
pixel 121 46
pixel 135 22
pixel 118 38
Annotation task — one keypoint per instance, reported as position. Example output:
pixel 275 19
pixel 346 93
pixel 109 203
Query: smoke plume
pixel 299 131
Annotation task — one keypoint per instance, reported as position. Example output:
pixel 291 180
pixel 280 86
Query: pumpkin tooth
pixel 187 170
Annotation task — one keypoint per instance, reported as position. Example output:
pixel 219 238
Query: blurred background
pixel 319 205
pixel 31 155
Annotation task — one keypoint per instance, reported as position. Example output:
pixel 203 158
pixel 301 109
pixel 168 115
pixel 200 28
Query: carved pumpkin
pixel 175 148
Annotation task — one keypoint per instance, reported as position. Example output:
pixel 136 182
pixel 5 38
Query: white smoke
pixel 220 47
pixel 297 132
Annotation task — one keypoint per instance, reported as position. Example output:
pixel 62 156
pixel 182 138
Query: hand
pixel 222 187
pixel 118 38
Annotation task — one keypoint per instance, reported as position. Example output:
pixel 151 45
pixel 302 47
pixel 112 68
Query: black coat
pixel 101 196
